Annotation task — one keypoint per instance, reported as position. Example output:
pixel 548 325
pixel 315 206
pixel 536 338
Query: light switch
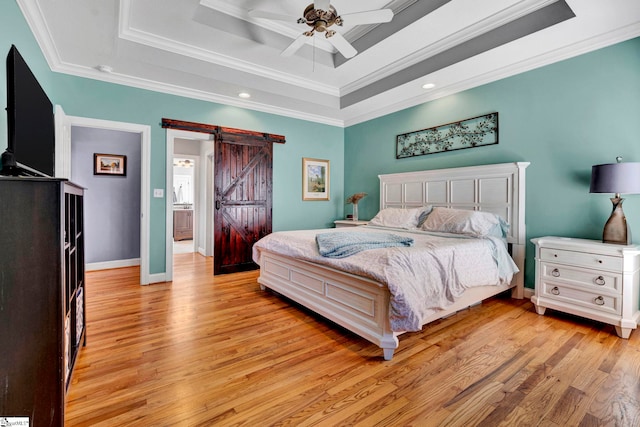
pixel 158 192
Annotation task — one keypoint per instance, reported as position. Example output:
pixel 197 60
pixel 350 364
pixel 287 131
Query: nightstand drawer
pixel 581 258
pixel 602 302
pixel 591 279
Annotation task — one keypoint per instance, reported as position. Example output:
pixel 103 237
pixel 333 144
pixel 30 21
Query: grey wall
pixel 111 203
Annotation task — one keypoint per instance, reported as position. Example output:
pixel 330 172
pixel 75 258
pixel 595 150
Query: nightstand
pixel 588 278
pixel 349 223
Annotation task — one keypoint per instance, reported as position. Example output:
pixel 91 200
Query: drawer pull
pixel 599 301
pixel 599 261
pixel 555 255
pixel 600 281
pixel 556 291
pixel 555 272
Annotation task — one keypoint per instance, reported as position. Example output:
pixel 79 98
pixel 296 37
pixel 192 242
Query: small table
pixel 349 223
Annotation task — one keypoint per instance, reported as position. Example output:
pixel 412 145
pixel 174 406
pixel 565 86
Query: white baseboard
pixel 529 292
pixel 157 278
pixel 106 265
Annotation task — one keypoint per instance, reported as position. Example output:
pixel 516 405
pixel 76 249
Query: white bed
pixel 362 305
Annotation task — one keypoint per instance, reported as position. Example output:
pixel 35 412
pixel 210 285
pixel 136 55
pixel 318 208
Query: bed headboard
pixel 498 188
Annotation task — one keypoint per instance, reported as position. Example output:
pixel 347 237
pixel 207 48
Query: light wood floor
pixel 205 351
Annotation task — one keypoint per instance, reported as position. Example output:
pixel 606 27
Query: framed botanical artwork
pixel 315 179
pixel 109 164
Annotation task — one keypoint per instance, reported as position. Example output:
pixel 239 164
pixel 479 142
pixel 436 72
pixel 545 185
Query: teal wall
pixel 563 118
pixel 91 98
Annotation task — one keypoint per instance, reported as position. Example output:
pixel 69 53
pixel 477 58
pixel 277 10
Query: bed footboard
pixel 358 304
pixel 355 303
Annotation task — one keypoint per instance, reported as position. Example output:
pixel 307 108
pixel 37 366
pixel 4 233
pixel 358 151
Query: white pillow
pixel 461 221
pixel 400 217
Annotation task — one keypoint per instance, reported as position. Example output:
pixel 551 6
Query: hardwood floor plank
pixel 618 399
pixel 205 351
pixel 567 406
pixel 475 407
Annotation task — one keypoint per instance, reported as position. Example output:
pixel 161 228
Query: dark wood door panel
pixel 243 186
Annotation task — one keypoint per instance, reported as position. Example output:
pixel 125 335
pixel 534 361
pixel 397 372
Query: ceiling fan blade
pixel 293 47
pixel 343 46
pixel 370 17
pixel 255 13
pixel 322 4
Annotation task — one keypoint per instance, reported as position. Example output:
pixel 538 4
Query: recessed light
pixel 244 95
pixel 104 68
pixel 428 86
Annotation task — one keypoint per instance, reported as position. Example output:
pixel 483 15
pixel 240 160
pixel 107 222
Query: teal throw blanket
pixel 344 244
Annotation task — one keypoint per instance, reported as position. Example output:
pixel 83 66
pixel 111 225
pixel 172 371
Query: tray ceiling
pixel 213 50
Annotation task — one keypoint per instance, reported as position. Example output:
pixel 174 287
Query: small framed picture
pixel 109 164
pixel 315 179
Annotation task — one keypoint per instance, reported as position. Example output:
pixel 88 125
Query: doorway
pixel 63 166
pixel 189 195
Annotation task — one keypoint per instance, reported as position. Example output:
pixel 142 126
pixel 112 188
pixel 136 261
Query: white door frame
pixel 171 135
pixel 63 149
pixel 209 202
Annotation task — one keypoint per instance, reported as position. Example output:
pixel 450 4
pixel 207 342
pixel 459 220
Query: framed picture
pixel 315 179
pixel 109 164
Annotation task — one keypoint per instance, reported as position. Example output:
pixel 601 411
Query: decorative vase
pixel 355 212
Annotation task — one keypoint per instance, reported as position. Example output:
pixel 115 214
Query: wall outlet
pixel 158 192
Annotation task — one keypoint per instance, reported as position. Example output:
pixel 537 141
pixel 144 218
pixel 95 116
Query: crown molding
pixel 468 33
pixel 127 32
pixel 34 17
pixel 576 49
pixel 288 30
pixel 140 83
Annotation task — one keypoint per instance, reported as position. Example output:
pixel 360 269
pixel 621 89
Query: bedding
pixel 401 218
pixel 461 221
pixel 421 279
pixel 340 245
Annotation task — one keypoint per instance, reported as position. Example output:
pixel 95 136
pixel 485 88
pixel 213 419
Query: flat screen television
pixel 30 124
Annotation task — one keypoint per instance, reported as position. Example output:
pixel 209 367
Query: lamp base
pixel 616 230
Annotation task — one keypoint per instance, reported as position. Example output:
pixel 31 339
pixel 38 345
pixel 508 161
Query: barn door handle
pixel 217 204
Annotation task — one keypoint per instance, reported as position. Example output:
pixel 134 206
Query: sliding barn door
pixel 243 190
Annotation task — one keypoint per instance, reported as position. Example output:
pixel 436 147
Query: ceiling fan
pixel 320 16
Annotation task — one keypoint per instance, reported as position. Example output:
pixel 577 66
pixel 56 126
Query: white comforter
pixel 423 278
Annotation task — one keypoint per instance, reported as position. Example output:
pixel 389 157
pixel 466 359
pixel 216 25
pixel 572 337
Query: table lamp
pixel 617 178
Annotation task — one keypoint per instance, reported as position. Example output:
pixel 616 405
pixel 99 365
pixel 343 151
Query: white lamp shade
pixel 622 178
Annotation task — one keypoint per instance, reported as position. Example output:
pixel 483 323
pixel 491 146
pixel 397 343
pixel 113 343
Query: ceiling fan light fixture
pixel 320 16
pixel 319 19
